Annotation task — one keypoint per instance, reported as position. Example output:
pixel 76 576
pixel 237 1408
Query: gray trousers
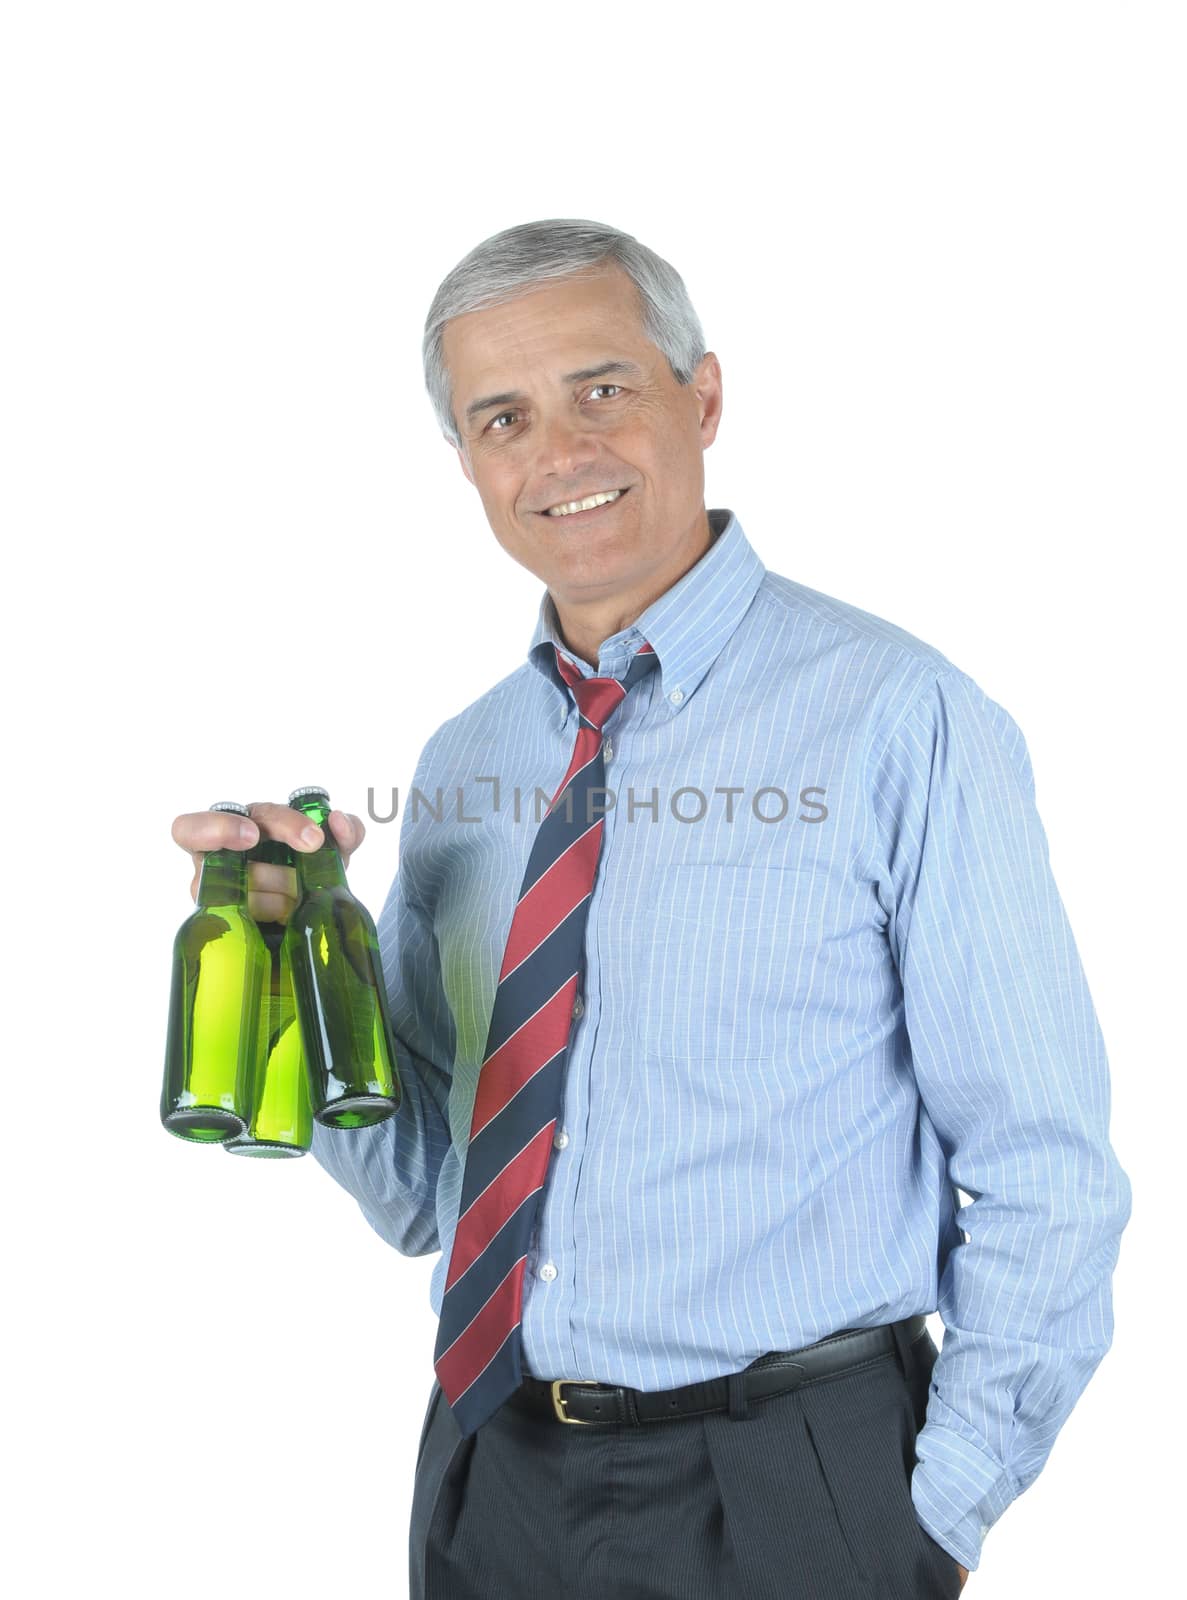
pixel 805 1497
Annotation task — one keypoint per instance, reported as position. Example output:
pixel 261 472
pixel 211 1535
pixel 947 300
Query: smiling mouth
pixel 592 511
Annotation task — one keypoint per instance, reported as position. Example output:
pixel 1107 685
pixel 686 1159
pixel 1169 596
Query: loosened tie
pixel 520 1092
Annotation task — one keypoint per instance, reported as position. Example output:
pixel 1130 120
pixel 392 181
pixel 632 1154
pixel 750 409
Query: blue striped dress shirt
pixel 834 1061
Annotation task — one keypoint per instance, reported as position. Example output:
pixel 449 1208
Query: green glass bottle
pixel 220 967
pixel 342 1006
pixel 281 1121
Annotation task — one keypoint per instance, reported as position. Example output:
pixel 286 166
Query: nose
pixel 564 448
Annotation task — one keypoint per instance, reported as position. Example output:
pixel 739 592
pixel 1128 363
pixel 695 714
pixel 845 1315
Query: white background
pixel 938 251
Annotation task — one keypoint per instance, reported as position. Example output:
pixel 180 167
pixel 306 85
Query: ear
pixel 706 384
pixel 462 463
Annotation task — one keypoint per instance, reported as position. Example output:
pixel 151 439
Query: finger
pixel 270 906
pixel 285 822
pixel 264 877
pixel 200 831
pixel 347 830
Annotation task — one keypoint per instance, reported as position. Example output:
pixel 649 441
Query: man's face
pixel 565 437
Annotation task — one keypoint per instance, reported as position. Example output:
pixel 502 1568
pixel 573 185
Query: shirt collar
pixel 687 625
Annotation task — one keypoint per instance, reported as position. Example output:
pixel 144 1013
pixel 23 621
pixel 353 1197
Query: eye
pixel 492 425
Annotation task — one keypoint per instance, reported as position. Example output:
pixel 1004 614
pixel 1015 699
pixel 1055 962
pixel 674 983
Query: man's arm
pixel 391 1168
pixel 1012 1072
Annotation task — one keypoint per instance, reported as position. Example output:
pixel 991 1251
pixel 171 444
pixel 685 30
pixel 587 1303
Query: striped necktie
pixel 520 1092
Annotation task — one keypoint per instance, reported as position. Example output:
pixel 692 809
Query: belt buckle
pixel 558 1399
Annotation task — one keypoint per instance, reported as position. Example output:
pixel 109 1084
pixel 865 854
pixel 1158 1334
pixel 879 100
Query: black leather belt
pixel 589 1402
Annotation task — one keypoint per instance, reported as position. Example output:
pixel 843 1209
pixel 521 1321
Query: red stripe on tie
pixel 552 897
pixel 584 750
pixel 536 1041
pixel 476 1228
pixel 474 1350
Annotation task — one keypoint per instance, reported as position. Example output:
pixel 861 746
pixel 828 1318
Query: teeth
pixel 584 505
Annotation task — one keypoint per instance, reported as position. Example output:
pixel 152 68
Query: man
pixel 703 1061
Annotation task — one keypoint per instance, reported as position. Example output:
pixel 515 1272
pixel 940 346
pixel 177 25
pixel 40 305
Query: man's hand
pixel 271 890
pixel 964 1574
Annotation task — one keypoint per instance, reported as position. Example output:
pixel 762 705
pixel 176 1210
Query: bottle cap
pixel 305 794
pixel 230 805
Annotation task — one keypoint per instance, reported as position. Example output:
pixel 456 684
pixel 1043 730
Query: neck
pixel 584 626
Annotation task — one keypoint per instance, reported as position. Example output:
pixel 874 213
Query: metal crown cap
pixel 303 794
pixel 230 805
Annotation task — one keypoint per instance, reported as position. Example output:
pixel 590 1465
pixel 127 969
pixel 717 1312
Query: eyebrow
pixel 582 375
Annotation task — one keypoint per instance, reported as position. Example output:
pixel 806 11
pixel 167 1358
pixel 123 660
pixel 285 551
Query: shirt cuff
pixel 959 1490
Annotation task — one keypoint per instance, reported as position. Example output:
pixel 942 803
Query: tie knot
pixel 597 697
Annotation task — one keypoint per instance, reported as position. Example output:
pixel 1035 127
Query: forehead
pixel 581 317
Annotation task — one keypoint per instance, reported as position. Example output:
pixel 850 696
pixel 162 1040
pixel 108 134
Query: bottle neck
pixel 276 853
pixel 224 879
pixel 321 868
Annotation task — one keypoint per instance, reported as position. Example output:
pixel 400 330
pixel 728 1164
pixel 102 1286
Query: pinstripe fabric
pixel 844 1067
pixel 478 1348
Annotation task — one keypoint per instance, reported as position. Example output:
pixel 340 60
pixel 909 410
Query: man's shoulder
pixel 906 680
pixel 485 718
pixel 886 669
pixel 814 617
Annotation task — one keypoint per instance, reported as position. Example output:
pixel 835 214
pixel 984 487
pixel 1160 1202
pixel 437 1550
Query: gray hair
pixel 512 262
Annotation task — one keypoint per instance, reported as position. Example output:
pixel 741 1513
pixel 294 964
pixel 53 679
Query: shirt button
pixel 578 1006
pixel 548 1271
pixel 607 749
pixel 560 1140
pixel 676 696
